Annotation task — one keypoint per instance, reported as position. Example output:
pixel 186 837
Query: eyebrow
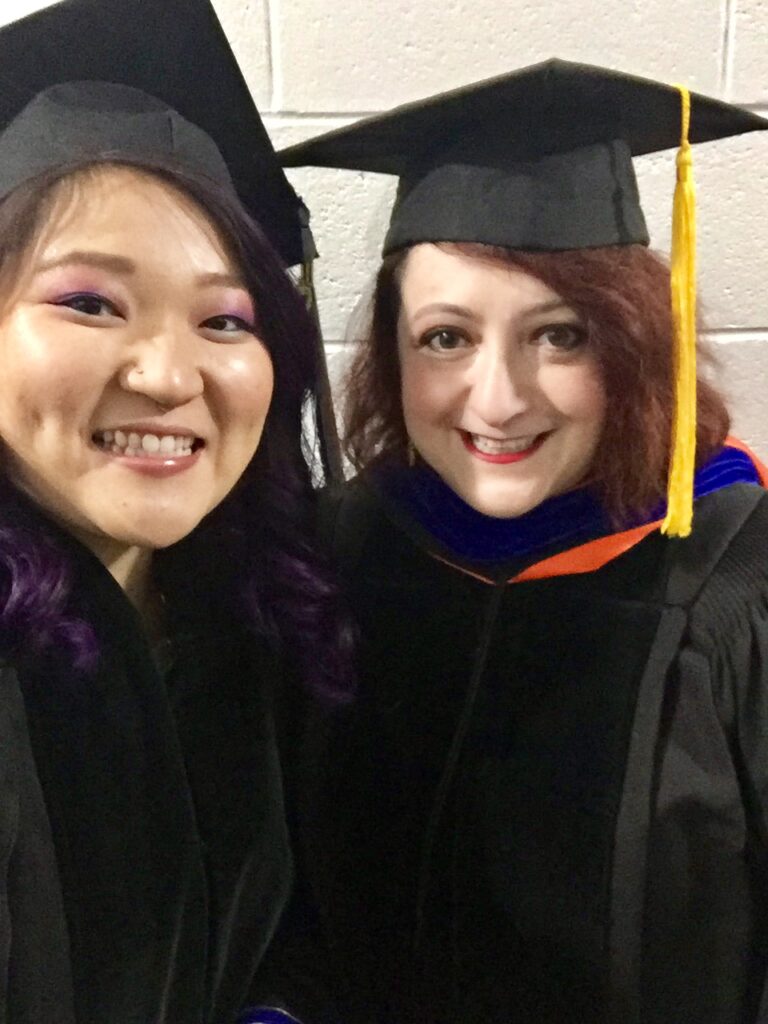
pixel 103 260
pixel 227 280
pixel 549 307
pixel 125 267
pixel 446 307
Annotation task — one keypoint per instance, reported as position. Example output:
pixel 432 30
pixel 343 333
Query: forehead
pixel 130 211
pixel 435 272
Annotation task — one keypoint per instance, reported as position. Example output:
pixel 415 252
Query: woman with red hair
pixel 550 802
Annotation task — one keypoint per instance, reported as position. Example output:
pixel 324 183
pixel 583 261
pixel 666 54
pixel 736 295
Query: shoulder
pixel 11 707
pixel 11 701
pixel 374 543
pixel 15 754
pixel 356 498
pixel 724 563
pixel 348 514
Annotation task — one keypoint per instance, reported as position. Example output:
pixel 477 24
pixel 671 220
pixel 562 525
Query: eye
pixel 444 339
pixel 564 336
pixel 89 304
pixel 227 323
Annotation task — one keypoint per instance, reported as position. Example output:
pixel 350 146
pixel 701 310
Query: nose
pixel 165 366
pixel 499 383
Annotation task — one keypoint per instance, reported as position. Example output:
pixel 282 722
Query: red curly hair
pixel 622 295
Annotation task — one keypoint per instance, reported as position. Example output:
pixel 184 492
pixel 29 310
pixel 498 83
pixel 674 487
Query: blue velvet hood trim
pixel 576 517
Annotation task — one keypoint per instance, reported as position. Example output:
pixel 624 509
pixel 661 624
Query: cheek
pixel 578 394
pixel 40 385
pixel 247 380
pixel 428 391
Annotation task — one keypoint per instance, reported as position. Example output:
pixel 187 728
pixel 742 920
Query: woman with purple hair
pixel 160 597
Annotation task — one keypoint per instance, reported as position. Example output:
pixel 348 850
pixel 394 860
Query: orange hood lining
pixel 596 553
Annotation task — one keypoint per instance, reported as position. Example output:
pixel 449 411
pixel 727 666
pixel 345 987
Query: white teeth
pixel 150 443
pixel 134 444
pixel 502 446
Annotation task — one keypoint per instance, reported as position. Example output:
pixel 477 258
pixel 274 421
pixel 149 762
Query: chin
pixel 501 506
pixel 151 532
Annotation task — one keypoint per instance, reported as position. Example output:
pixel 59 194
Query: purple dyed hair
pixel 254 555
pixel 34 592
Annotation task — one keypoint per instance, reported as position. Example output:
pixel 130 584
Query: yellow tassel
pixel 683 286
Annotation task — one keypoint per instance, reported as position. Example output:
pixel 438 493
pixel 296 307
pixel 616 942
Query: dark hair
pixel 256 548
pixel 622 295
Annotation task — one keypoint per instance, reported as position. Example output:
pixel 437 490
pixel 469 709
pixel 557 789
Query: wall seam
pixel 726 64
pixel 268 48
pixel 736 335
pixel 310 115
pixel 336 345
pixel 279 120
pixel 275 54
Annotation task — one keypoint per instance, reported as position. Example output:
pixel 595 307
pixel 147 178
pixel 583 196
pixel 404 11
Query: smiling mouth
pixel 133 444
pixel 503 450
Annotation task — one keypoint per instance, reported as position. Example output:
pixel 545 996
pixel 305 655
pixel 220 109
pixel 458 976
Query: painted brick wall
pixel 317 64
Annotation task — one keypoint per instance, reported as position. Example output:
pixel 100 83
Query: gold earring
pixel 411 454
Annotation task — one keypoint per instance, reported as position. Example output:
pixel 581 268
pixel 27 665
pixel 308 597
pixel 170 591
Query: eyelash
pixel 577 336
pixel 426 340
pixel 70 301
pixel 242 324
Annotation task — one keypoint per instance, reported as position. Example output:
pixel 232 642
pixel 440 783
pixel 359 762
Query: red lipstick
pixel 502 458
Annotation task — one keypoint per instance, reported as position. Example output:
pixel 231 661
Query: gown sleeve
pixel 294 977
pixel 298 974
pixel 730 629
pixel 9 813
pixel 35 978
pixel 738 658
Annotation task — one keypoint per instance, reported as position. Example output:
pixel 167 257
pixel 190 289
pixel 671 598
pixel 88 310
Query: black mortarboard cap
pixel 538 159
pixel 151 79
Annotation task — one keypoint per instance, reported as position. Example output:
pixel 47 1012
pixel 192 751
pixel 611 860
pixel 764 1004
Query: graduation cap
pixel 541 159
pixel 538 159
pixel 187 102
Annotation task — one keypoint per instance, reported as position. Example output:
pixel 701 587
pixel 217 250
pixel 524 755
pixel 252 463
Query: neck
pixel 131 567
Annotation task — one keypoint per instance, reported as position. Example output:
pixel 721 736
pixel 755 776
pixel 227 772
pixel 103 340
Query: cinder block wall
pixel 318 64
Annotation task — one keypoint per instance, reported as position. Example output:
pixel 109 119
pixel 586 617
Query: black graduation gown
pixel 144 857
pixel 549 802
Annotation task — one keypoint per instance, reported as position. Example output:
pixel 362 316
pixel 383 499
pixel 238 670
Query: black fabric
pixel 525 898
pixel 589 198
pixel 174 50
pixel 35 980
pixel 148 808
pixel 76 121
pixel 539 158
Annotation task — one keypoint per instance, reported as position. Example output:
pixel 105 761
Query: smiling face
pixel 501 393
pixel 133 383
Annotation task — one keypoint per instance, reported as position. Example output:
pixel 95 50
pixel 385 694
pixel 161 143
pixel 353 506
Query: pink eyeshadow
pixel 241 307
pixel 60 285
